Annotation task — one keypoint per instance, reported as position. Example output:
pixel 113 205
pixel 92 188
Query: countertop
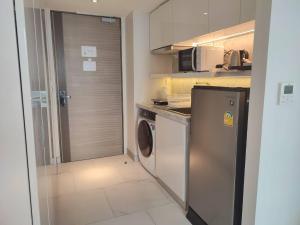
pixel 163 111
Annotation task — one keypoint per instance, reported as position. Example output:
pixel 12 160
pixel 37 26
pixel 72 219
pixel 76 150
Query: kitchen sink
pixel 183 111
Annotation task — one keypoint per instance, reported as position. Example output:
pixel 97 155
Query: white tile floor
pixel 109 192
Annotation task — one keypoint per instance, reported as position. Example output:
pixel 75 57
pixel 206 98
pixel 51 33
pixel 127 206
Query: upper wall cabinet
pixel 248 8
pixel 161 26
pixel 223 14
pixel 190 19
pixel 180 20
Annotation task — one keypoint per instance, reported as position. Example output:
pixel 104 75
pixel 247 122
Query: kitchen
pixel 149 114
pixel 219 62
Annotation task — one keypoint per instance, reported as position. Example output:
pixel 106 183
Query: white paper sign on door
pixel 89 51
pixel 89 66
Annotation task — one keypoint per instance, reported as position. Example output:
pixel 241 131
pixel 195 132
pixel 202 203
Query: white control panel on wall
pixel 89 66
pixel 286 93
pixel 89 51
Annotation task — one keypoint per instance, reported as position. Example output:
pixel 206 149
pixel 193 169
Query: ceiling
pixel 117 8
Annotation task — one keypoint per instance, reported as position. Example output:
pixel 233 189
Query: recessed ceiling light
pixel 94 1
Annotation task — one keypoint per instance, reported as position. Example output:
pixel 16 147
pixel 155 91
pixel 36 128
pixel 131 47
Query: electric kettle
pixel 234 59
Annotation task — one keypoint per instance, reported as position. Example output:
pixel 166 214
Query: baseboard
pixel 194 218
pixel 131 155
pixel 173 195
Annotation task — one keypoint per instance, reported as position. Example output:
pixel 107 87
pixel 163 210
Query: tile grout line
pixel 152 219
pixel 109 203
pixel 146 210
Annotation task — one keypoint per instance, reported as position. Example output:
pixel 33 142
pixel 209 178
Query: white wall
pixel 145 63
pixel 124 82
pixel 130 83
pixel 140 65
pixel 14 188
pixel 272 171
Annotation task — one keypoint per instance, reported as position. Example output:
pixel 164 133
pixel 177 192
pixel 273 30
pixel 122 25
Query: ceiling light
pixel 94 1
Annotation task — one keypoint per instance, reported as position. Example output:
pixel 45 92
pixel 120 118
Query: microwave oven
pixel 200 59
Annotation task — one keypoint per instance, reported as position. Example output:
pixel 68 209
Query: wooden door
pixel 95 108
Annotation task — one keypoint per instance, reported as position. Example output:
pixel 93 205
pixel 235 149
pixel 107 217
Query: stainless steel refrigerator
pixel 217 155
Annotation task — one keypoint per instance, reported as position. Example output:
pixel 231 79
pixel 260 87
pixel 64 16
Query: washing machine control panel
pixel 147 114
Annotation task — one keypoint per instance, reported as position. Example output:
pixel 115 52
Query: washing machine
pixel 146 140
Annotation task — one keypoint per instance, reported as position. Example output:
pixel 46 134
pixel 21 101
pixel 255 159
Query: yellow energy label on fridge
pixel 228 119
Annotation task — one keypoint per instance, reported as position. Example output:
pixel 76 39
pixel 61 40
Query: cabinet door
pixel 171 155
pixel 223 14
pixel 161 26
pixel 190 19
pixel 248 8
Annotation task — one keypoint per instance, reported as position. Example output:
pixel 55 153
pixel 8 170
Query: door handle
pixel 63 98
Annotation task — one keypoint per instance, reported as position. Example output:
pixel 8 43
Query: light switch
pixel 89 51
pixel 286 93
pixel 89 66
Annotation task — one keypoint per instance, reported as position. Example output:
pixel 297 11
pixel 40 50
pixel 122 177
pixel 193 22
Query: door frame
pixel 56 155
pixel 53 92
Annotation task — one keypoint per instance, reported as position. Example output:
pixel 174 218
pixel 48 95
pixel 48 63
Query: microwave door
pixel 186 60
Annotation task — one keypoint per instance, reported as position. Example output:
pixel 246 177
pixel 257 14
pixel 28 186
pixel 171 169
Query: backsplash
pixel 244 42
pixel 183 86
pixel 158 87
pixel 178 88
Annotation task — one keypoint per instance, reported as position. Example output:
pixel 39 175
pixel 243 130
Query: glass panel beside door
pixel 37 69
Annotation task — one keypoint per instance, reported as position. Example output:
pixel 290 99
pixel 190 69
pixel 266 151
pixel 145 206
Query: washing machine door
pixel 145 138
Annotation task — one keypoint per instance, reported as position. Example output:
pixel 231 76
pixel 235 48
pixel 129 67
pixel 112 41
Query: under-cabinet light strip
pixel 224 37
